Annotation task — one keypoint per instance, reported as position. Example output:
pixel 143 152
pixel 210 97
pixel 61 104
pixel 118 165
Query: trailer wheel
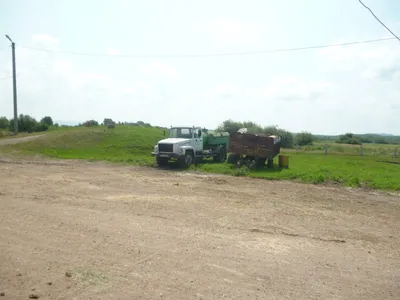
pixel 233 158
pixel 270 163
pixel 261 162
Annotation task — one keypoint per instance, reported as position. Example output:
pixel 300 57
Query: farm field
pixel 343 165
pixel 72 229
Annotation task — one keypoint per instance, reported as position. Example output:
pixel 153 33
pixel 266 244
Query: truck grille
pixel 166 147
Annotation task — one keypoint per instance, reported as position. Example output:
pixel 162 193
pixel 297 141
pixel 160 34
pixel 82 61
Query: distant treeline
pixel 27 123
pixel 289 139
pixel 358 139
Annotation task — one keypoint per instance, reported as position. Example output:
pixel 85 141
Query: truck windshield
pixel 180 133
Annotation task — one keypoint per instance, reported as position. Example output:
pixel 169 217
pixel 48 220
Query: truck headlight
pixel 155 149
pixel 181 150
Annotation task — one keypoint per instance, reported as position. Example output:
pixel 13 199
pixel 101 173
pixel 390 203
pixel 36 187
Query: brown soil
pixel 18 140
pixel 78 230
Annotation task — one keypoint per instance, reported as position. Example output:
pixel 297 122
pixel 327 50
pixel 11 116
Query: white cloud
pixel 62 87
pixel 160 69
pixel 224 91
pixel 352 86
pixel 112 51
pixel 230 31
pixel 370 60
pixel 46 41
pixel 294 88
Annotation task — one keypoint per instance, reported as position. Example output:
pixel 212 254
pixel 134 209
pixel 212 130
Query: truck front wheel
pixel 162 162
pixel 187 160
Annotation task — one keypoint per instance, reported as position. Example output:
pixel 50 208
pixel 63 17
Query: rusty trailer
pixel 253 148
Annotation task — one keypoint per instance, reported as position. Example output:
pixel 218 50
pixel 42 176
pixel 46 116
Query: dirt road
pixel 18 140
pixel 77 230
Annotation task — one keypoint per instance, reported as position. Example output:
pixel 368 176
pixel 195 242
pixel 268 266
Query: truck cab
pixel 182 144
pixel 186 144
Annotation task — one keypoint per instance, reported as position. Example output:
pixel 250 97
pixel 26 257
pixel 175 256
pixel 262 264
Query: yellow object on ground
pixel 284 161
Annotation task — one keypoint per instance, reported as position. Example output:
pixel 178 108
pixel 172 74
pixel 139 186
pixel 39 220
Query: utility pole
pixel 14 86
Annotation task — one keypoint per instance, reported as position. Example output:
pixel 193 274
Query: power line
pixel 372 13
pixel 210 54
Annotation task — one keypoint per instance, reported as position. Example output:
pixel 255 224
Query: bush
pixel 241 172
pixel 108 121
pixel 41 127
pixel 286 136
pixel 47 120
pixel 4 123
pixel 304 138
pixel 90 123
pixel 232 126
pixel 349 138
pixel 28 124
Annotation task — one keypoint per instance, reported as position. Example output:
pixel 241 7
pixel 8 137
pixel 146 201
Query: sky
pixel 124 74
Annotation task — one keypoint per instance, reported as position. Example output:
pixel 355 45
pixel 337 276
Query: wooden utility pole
pixel 14 86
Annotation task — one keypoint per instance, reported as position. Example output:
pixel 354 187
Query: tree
pixel 4 123
pixel 28 124
pixel 230 126
pixel 108 121
pixel 349 138
pixel 90 123
pixel 233 126
pixel 41 127
pixel 286 136
pixel 304 138
pixel 47 120
pixel 252 127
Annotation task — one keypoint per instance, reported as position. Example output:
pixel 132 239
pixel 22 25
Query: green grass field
pixel 344 149
pixel 343 165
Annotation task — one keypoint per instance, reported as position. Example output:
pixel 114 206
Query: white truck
pixel 186 144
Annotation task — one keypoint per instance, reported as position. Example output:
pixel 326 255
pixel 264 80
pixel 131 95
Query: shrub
pixel 41 127
pixel 233 126
pixel 304 138
pixel 4 123
pixel 26 123
pixel 90 123
pixel 108 121
pixel 349 138
pixel 241 172
pixel 47 120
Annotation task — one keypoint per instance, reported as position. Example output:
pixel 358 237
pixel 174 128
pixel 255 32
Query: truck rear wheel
pixel 187 160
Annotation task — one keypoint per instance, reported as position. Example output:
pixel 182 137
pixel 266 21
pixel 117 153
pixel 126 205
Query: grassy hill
pixel 133 144
pixel 130 144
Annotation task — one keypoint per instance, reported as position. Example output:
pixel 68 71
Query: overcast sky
pixel 330 91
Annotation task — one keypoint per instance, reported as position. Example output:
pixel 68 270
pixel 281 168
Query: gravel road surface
pixel 79 230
